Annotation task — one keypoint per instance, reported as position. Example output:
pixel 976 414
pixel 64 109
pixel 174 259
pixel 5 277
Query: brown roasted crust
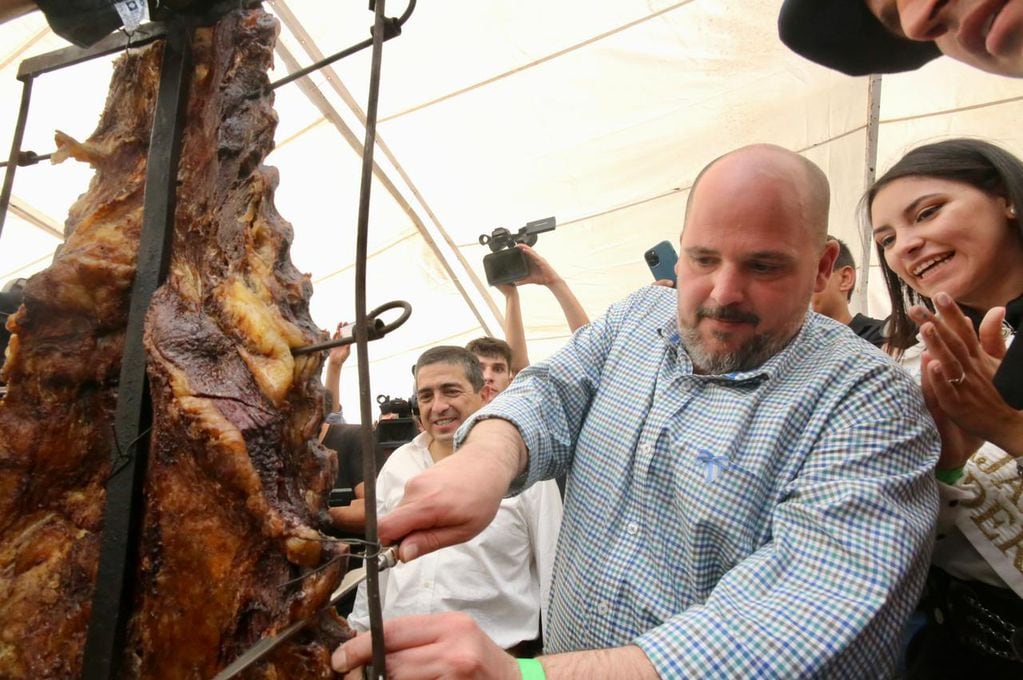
pixel 236 481
pixel 231 547
pixel 62 370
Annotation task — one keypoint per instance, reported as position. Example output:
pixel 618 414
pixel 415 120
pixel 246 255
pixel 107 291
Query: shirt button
pixel 645 449
pixel 427 584
pixel 603 608
pixel 632 528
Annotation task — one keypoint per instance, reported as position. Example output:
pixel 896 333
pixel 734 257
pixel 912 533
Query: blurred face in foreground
pixel 986 34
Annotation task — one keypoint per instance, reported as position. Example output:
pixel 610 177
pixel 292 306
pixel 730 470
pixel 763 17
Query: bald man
pixel 750 487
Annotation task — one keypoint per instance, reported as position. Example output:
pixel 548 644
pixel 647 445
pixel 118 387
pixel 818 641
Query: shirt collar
pixel 776 365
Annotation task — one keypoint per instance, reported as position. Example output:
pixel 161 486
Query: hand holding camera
pixel 507 263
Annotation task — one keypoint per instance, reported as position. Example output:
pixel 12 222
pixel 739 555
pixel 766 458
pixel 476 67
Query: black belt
pixel 984 618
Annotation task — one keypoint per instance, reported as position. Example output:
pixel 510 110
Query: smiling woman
pixel 946 224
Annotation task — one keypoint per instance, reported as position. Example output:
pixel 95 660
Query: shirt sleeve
pixel 359 618
pixel 543 511
pixel 829 593
pixel 549 400
pixel 391 476
pixel 335 418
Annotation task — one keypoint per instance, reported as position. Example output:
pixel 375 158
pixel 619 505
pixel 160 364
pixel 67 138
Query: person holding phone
pixel 662 259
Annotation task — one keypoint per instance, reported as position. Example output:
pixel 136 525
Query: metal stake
pixel 113 598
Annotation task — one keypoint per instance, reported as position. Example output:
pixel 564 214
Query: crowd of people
pixel 757 482
pixel 752 489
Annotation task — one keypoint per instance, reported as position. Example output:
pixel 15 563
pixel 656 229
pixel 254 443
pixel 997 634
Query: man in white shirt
pixel 501 578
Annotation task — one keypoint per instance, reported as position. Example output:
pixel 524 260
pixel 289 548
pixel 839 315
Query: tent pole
pixel 869 173
pixel 12 162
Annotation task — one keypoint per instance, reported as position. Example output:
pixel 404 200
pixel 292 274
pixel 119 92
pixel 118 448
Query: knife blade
pixel 266 645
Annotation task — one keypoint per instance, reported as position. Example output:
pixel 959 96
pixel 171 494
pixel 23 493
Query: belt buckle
pixel 1016 642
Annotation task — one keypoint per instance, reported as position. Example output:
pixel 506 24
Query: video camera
pixel 394 432
pixel 507 263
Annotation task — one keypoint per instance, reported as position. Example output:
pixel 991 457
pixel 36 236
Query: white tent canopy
pixel 496 113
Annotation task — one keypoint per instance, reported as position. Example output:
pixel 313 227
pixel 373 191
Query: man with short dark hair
pixel 750 488
pixel 495 357
pixel 502 577
pixel 833 301
pixel 860 37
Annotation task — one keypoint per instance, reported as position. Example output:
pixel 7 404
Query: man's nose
pixel 926 19
pixel 729 286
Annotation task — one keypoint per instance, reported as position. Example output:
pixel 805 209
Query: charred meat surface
pixel 235 486
pixel 62 368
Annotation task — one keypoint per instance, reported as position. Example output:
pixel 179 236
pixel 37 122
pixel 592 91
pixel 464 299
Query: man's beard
pixel 752 353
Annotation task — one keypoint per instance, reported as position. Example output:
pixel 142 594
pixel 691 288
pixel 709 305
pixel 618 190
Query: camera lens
pixel 651 258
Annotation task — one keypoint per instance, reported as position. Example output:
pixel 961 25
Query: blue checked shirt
pixel 772 524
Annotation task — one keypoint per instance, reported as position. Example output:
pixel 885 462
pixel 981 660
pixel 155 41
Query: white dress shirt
pixel 501 578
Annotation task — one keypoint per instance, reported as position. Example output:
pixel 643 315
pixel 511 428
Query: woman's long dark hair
pixel 980 164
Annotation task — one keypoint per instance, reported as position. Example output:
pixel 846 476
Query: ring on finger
pixel 956 381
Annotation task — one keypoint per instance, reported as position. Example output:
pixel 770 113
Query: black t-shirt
pixel 1008 378
pixel 871 330
pixel 346 440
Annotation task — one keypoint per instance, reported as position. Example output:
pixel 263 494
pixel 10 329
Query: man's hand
pixel 457 498
pixel 338 355
pixel 540 271
pixel 352 517
pixel 448 645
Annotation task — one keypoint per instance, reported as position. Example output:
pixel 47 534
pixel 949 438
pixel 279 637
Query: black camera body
pixel 394 432
pixel 507 264
pixel 403 408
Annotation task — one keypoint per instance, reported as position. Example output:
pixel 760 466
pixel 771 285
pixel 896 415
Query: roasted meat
pixel 234 494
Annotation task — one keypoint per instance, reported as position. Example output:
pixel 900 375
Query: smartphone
pixel 662 259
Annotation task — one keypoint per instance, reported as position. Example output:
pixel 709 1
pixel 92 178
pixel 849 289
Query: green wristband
pixel 950 476
pixel 531 669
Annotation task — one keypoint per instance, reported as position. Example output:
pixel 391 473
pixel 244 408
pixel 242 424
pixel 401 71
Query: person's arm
pixel 514 330
pixel 457 498
pixel 451 645
pixel 336 359
pixel 531 425
pixel 542 273
pixel 351 517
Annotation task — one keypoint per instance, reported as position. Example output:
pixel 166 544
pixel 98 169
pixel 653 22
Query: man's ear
pixel 847 279
pixel 825 265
